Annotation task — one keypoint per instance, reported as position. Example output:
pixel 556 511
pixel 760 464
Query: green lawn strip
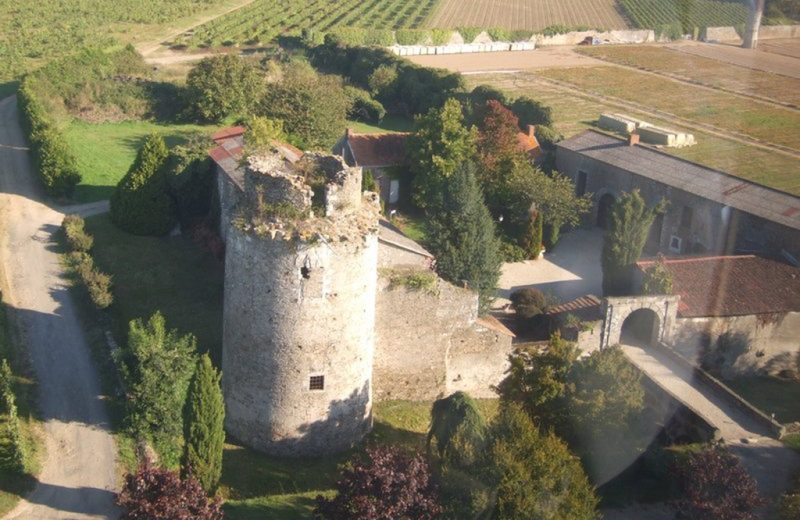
pixel 770 395
pixel 13 486
pixel 726 111
pixel 573 114
pixel 387 124
pixel 793 441
pixel 168 274
pixel 413 226
pixel 296 506
pixel 105 151
pixel 707 71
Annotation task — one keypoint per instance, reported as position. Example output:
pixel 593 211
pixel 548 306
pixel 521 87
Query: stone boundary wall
pixel 766 32
pixel 466 48
pixel 777 429
pixel 575 37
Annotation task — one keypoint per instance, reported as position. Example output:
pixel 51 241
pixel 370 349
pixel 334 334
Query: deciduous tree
pixel 157 365
pixel 203 427
pixel 440 144
pixel 222 86
pixel 629 225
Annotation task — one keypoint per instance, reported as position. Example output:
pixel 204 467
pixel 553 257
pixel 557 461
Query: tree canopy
pixel 222 86
pixel 629 225
pixel 657 279
pixel 458 428
pixel 461 235
pixel 440 144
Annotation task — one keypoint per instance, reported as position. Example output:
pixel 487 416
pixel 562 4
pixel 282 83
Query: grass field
pixel 169 274
pixel 528 14
pixel 574 113
pixel 105 151
pixel 770 395
pixel 702 70
pixel 726 111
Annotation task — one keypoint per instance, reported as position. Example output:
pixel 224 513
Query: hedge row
pixel 359 36
pixel 52 158
pixel 97 283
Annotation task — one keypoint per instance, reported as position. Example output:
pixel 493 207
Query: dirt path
pixel 486 62
pixel 78 475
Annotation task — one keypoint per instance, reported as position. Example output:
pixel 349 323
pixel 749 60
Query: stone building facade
pixel 314 325
pixel 709 212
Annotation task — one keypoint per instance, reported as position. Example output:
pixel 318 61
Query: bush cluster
pixel 362 106
pixel 54 162
pixel 79 242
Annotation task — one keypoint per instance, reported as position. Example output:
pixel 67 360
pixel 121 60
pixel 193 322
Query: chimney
pixel 633 139
pixel 532 131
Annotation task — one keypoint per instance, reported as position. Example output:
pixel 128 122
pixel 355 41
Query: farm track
pixel 699 84
pixel 667 116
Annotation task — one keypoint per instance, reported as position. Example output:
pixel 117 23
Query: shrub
pixel 414 280
pixel 789 505
pixel 140 203
pixel 458 428
pixel 159 494
pixel 547 136
pixel 531 112
pixel 411 36
pixel 521 35
pixel 469 33
pixel 56 166
pixel 499 34
pixel 13 450
pixel 388 485
pixel 98 284
pixel 657 279
pixel 511 252
pixel 222 86
pixel 189 176
pixel 379 37
pixel 528 302
pixel 77 238
pixel 715 485
pixel 362 106
pixel 441 36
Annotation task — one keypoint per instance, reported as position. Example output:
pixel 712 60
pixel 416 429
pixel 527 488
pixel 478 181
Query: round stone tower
pixel 299 311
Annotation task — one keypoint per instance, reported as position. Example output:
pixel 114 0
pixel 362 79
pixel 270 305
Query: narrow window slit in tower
pixel 316 383
pixel 305 272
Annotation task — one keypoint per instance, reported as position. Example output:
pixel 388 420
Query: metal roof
pixel 690 177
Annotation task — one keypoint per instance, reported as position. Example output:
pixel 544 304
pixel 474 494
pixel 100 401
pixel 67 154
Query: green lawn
pixel 105 151
pixel 170 274
pixel 770 395
pixel 388 124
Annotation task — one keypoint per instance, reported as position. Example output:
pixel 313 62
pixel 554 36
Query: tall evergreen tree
pixel 629 225
pixel 439 146
pixel 462 235
pixel 141 203
pixel 203 433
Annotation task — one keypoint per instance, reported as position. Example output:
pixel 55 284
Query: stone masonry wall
pixel 767 344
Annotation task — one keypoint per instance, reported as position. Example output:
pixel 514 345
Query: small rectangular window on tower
pixel 316 383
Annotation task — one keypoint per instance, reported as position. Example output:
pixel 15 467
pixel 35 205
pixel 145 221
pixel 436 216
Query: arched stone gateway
pixel 639 319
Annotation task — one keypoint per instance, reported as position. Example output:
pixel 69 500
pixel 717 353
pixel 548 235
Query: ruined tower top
pixel 318 196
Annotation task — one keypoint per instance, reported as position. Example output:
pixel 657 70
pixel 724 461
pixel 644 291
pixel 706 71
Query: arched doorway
pixel 640 328
pixel 604 210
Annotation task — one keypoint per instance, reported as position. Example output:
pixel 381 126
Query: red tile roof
pixel 732 285
pixel 226 133
pixel 378 150
pixel 529 144
pixel 587 308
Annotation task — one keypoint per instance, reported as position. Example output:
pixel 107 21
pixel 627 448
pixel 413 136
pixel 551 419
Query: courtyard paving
pixel 571 270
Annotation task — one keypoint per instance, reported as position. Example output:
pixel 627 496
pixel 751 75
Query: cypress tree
pixel 458 428
pixel 141 203
pixel 534 235
pixel 204 436
pixel 462 235
pixel 629 225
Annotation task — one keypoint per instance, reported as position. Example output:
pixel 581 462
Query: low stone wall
pixel 477 361
pixel 423 50
pixel 575 37
pixel 766 32
pixel 755 344
pixel 776 428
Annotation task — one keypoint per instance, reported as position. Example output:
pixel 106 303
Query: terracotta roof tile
pixel 732 285
pixel 378 150
pixel 225 133
pixel 529 144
